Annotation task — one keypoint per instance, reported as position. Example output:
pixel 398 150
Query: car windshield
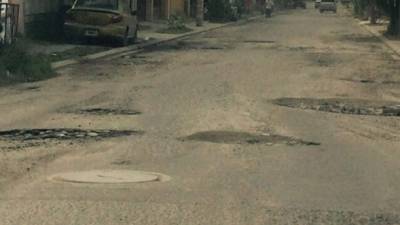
pixel 102 4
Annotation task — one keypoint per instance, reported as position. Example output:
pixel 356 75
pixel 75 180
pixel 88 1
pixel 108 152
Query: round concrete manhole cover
pixel 109 177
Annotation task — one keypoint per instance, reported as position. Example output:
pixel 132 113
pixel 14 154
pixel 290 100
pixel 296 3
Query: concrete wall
pixel 41 17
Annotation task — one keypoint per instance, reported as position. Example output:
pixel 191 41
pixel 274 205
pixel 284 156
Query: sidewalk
pixel 64 54
pixel 152 30
pixel 146 37
pixel 379 30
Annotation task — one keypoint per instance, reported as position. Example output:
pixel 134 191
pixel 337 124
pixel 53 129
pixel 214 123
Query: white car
pixel 328 5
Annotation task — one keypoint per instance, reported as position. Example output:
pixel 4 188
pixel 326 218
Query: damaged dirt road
pixel 267 122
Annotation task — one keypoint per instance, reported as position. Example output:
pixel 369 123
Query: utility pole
pixel 199 12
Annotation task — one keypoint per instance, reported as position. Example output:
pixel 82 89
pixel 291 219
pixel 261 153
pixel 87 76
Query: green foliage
pixel 389 7
pixel 176 25
pixel 220 11
pixel 18 66
pixel 239 4
pixel 359 7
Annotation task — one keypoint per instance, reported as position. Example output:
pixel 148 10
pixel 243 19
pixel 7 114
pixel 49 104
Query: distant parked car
pixel 328 5
pixel 317 3
pixel 102 19
pixel 299 3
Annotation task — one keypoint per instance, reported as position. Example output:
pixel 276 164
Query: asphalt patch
pixel 344 106
pixel 232 137
pixel 259 41
pixel 106 111
pixel 62 134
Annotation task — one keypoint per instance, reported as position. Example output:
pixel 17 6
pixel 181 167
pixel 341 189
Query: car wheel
pixel 125 38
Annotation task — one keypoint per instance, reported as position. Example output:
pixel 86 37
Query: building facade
pixel 162 9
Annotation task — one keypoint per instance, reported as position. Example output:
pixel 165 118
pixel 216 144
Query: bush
pixel 18 66
pixel 176 25
pixel 220 11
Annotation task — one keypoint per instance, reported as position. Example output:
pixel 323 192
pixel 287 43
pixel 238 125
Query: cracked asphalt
pixel 217 83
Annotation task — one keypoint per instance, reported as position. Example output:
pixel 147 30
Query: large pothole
pixel 345 106
pixel 233 137
pixel 188 45
pixel 63 134
pixel 107 111
pixel 109 177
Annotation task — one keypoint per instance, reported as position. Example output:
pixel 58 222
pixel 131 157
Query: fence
pixel 8 22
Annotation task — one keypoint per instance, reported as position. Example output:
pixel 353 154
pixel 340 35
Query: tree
pixel 199 12
pixel 390 7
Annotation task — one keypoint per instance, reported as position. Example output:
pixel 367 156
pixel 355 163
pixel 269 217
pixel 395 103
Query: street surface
pixel 255 161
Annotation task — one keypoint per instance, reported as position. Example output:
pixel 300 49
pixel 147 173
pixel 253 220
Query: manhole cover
pixel 109 177
pixel 344 106
pixel 234 137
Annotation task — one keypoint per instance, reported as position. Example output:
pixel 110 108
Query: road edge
pixel 395 47
pixel 133 48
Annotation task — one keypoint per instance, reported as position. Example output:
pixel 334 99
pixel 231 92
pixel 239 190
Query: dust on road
pixel 224 80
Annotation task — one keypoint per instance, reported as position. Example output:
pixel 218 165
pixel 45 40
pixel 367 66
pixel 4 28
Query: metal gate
pixel 8 22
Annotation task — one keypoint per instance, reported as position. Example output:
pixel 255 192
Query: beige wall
pixel 177 7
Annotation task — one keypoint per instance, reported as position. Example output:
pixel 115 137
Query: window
pixel 102 4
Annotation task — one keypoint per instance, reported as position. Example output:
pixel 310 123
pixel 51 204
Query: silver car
pixel 328 5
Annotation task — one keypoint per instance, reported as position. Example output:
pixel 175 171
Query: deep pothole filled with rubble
pixel 233 137
pixel 344 106
pixel 188 45
pixel 106 111
pixel 62 134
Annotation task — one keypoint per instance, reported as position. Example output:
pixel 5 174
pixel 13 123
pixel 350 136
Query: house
pixel 162 9
pixel 44 18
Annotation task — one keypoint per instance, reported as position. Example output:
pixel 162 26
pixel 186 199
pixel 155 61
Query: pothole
pixel 187 45
pixel 259 41
pixel 105 111
pixel 323 59
pixel 371 81
pixel 344 106
pixel 109 177
pixel 134 59
pixel 233 137
pixel 63 134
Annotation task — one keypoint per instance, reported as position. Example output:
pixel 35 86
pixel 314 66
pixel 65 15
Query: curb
pixel 133 48
pixel 395 47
